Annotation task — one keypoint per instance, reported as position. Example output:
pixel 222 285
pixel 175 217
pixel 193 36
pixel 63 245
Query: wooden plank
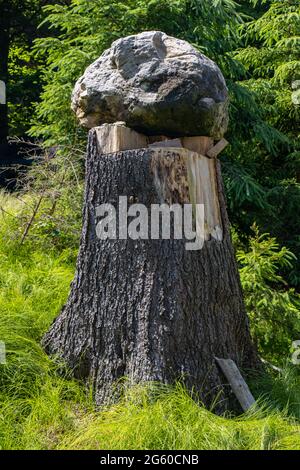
pixel 216 149
pixel 117 137
pixel 237 383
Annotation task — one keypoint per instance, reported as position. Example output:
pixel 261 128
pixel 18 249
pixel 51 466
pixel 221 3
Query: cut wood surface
pixel 237 383
pixel 199 144
pixel 117 137
pixel 203 188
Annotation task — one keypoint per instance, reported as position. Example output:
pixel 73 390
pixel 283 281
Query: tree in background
pixel 20 71
pixel 271 59
pixel 18 25
pixel 273 307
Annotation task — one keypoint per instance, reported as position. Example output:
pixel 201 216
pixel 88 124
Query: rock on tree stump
pixel 151 310
pixel 156 84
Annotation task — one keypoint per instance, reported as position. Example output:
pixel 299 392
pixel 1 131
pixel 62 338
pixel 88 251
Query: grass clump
pixel 173 420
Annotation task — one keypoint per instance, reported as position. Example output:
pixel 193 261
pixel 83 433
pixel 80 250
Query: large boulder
pixel 156 84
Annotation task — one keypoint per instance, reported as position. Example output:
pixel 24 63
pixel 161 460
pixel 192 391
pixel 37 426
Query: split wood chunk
pixel 117 137
pixel 199 144
pixel 201 174
pixel 216 149
pixel 192 179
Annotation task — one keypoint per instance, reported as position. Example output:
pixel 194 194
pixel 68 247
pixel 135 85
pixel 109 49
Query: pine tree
pixel 271 58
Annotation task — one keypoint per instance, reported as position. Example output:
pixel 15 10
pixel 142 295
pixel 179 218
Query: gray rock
pixel 156 84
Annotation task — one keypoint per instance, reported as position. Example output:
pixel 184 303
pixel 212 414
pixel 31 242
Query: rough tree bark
pixel 150 310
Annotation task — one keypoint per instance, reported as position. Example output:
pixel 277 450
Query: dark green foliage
pixel 271 59
pixel 273 307
pixel 23 89
pixel 18 68
pixel 18 27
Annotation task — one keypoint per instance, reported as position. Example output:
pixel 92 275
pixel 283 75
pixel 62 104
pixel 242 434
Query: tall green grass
pixel 42 407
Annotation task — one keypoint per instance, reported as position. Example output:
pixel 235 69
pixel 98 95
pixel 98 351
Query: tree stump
pixel 151 310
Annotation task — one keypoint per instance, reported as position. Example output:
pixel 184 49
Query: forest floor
pixel 41 407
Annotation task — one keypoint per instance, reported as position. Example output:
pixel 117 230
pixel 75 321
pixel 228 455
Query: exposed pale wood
pixel 216 149
pixel 200 180
pixel 166 143
pixel 203 189
pixel 199 144
pixel 117 137
pixel 237 383
pixel 170 169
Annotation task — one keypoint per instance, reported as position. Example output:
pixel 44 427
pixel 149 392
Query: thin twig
pixel 8 213
pixel 32 218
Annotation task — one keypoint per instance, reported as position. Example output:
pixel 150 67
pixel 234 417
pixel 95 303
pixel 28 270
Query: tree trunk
pixel 150 310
